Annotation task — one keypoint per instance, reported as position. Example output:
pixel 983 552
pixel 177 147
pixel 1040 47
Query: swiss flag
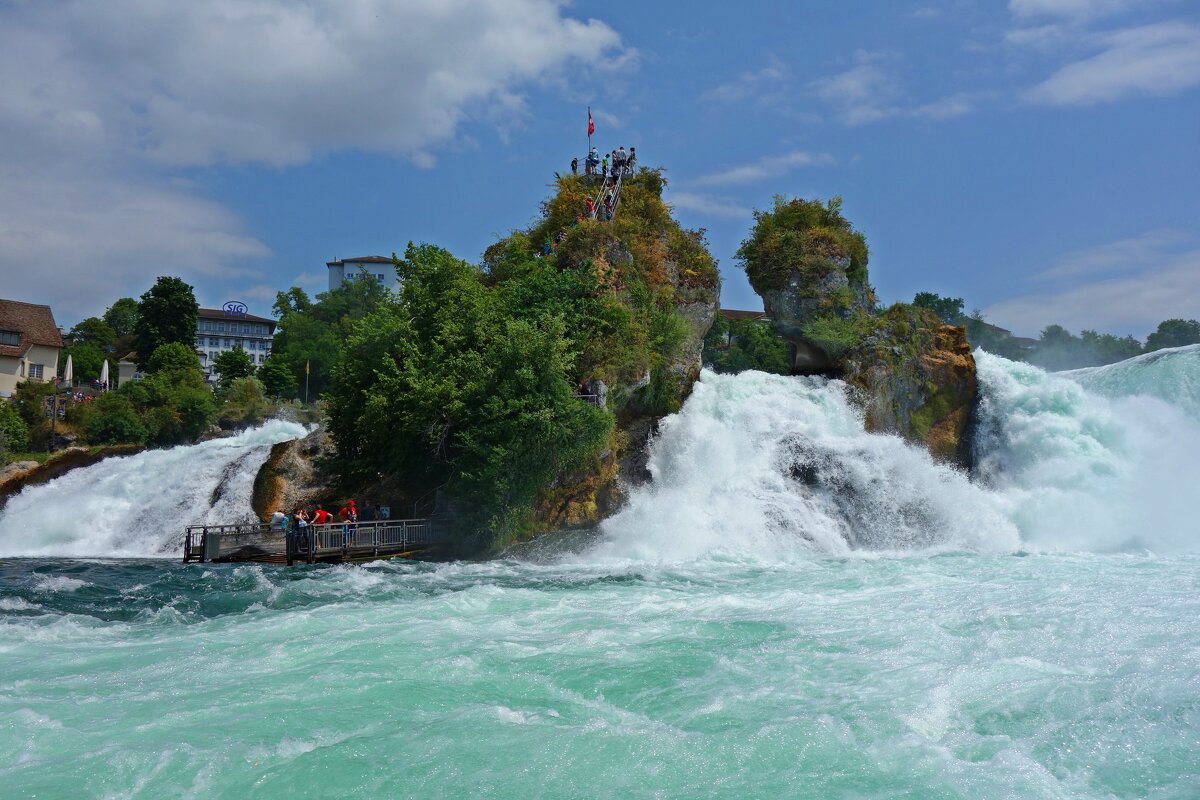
pixel 591 123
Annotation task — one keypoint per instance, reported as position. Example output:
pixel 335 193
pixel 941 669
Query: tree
pixel 86 360
pixel 451 386
pixel 277 379
pixel 950 309
pixel 1174 333
pixel 94 331
pixel 113 420
pixel 14 433
pixel 122 317
pixel 807 236
pixel 233 364
pixel 294 299
pixel 173 357
pixel 167 313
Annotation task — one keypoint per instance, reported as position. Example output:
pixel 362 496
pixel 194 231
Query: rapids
pixel 792 608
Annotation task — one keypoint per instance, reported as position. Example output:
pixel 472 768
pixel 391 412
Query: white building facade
pixel 221 330
pixel 379 268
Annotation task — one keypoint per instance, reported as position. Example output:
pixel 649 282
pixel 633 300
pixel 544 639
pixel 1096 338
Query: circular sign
pixel 235 308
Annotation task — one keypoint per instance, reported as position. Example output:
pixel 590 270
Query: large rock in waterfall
pixel 914 374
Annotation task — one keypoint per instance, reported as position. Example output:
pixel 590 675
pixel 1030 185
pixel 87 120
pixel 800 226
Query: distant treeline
pixel 1056 348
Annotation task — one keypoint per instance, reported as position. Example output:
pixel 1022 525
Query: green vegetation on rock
pixel 734 346
pixel 466 384
pixel 804 236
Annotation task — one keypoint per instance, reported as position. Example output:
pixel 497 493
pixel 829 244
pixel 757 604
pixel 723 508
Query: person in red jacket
pixel 348 515
pixel 321 516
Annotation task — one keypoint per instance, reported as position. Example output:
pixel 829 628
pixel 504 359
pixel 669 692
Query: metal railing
pixel 310 542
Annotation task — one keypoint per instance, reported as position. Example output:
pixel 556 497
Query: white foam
pixel 139 505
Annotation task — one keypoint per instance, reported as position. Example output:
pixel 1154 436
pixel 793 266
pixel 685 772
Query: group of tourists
pixel 298 521
pixel 621 163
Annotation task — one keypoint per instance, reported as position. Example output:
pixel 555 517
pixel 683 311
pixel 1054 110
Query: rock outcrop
pixel 915 375
pixel 292 475
pixel 917 379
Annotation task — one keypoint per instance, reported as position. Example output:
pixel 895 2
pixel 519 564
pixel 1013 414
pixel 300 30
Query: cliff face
pixel 917 378
pixel 915 375
pixel 292 476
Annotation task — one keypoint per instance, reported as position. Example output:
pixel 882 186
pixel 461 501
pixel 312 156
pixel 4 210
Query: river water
pixel 793 608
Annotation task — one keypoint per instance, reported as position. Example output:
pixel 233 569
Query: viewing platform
pixel 332 543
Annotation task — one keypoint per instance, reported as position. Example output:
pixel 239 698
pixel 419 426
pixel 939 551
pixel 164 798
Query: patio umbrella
pixel 69 372
pixel 104 376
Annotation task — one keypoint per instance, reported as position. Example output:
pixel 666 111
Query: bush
pixel 806 236
pixel 14 433
pixel 836 335
pixel 114 421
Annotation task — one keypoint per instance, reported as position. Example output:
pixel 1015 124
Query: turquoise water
pixel 955 676
pixel 792 608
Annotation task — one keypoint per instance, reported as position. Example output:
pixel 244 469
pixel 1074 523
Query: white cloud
pixel 867 92
pixel 1122 287
pixel 769 167
pixel 80 242
pixel 1126 256
pixel 276 82
pixel 1158 59
pixel 1073 9
pixel 747 84
pixel 871 91
pixel 100 103
pixel 707 204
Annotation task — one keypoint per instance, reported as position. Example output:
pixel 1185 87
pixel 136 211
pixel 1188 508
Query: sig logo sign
pixel 234 308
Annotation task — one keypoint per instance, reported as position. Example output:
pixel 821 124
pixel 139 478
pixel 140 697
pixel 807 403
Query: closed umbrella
pixel 69 372
pixel 104 376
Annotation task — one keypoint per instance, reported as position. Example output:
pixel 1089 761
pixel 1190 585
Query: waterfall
pixel 770 466
pixel 139 505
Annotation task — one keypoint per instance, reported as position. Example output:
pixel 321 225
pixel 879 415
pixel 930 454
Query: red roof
pixel 33 323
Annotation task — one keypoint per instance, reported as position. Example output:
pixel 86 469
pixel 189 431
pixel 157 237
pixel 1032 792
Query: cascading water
pixel 707 646
pixel 138 506
pixel 768 465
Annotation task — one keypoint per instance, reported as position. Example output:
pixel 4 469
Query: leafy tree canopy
pixel 173 357
pixel 167 314
pixel 86 360
pixel 122 317
pixel 94 331
pixel 1174 333
pixel 453 385
pixel 806 236
pixel 233 364
pixel 277 378
pixel 950 309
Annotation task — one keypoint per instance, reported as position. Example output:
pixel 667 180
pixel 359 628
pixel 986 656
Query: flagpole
pixel 306 363
pixel 589 131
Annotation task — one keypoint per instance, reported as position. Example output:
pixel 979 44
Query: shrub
pixel 114 421
pixel 836 335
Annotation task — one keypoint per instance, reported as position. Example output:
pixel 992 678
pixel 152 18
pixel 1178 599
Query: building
pixel 379 268
pixel 30 343
pixel 220 330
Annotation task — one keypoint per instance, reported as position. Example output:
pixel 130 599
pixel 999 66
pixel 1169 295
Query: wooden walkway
pixel 327 544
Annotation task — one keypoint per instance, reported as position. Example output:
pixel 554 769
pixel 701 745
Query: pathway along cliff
pixel 793 605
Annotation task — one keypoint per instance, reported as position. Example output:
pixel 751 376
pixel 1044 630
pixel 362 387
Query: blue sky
pixel 1039 158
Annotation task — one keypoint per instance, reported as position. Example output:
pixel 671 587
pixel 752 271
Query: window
pixel 260 359
pixel 10 337
pixel 212 356
pixel 35 371
pixel 227 343
pixel 380 276
pixel 221 326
